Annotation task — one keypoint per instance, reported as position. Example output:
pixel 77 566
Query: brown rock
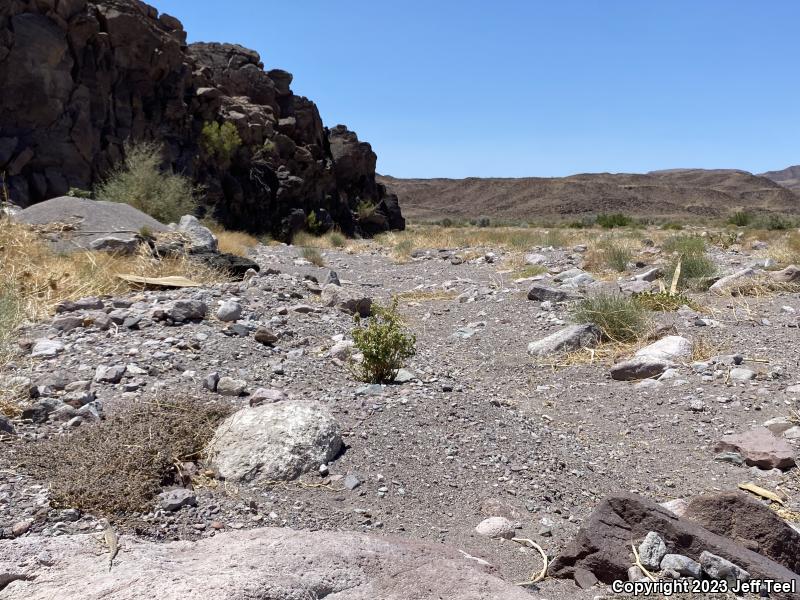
pixel 744 519
pixel 759 448
pixel 603 544
pixel 790 274
pixel 265 336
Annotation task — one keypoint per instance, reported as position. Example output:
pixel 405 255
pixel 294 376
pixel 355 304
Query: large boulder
pixel 653 360
pixel 277 441
pixel 603 543
pixel 268 564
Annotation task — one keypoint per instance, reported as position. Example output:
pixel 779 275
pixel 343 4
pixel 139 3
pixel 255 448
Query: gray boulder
pixel 200 239
pixel 652 550
pixel 717 567
pixel 729 283
pixel 116 243
pixel 570 338
pixel 653 360
pixel 277 441
pixel 542 293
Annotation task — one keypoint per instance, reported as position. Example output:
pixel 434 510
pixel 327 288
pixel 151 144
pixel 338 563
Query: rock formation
pixel 83 77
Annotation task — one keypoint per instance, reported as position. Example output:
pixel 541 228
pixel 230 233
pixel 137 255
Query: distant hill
pixel 677 193
pixel 788 177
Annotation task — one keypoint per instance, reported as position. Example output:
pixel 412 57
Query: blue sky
pixel 535 88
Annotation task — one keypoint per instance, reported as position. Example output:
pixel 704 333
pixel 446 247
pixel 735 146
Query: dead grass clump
pixel 119 465
pixel 620 318
pixel 236 242
pixel 312 255
pixel 763 286
pixel 663 301
pixel 332 239
pixel 37 278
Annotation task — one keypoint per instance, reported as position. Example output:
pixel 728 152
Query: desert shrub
pixel 530 271
pixel 139 181
pixel 483 222
pixel 270 147
pixel 119 465
pixel 365 210
pixel 616 256
pixel 684 244
pixel 662 301
pixel 313 224
pixel 385 343
pixel 404 247
pixel 696 271
pixel 671 225
pixel 613 220
pixel 776 223
pixel 740 219
pixel 337 239
pixel 312 255
pixel 583 223
pixel 620 318
pixel 79 193
pixel 221 141
pixel 11 313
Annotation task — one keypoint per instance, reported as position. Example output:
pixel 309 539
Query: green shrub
pixel 620 318
pixel 313 224
pixel 79 193
pixel 696 270
pixel 662 301
pixel 670 225
pixel 684 244
pixel 337 239
pixel 484 222
pixel 221 141
pixel 776 223
pixel 312 255
pixel 139 181
pixel 365 210
pixel 617 256
pixel 613 220
pixel 740 219
pixel 385 343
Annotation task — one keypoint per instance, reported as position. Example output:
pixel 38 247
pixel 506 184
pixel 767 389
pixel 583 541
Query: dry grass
pixel 332 239
pixel 703 349
pixel 236 242
pixel 759 287
pixel 119 465
pixel 38 279
pixel 312 255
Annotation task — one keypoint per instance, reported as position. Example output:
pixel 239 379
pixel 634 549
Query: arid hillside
pixel 679 193
pixel 788 177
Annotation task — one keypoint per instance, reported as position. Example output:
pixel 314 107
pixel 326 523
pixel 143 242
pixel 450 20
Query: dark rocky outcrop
pixel 82 77
pixel 603 544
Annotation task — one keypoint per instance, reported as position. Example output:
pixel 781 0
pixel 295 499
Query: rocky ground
pixel 479 428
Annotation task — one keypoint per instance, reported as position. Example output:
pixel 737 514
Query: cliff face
pixel 79 78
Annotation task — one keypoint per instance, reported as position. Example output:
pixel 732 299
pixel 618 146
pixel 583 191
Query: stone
pixel 332 278
pixel 677 506
pixel 496 527
pixel 88 303
pixel 265 336
pixel 301 565
pixel 5 425
pixel 671 347
pixel 20 528
pixel 741 374
pixel 565 340
pixel 535 259
pixel 106 374
pixel 652 550
pixel 653 360
pixel 228 386
pixel 602 544
pixel 67 322
pixel 116 243
pixel 760 448
pixel 229 311
pixel 46 348
pixel 652 274
pixel 790 274
pixel 181 311
pixel 278 441
pixel 200 239
pixel 348 301
pixel 210 381
pixel 683 565
pixel 635 573
pixel 541 293
pixel 584 578
pixel 175 499
pixel 342 350
pixel 266 396
pixel 717 567
pixel 740 517
pixel 779 425
pixel 351 482
pixel 729 283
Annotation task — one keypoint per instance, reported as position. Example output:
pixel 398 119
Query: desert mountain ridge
pixel 678 193
pixel 788 177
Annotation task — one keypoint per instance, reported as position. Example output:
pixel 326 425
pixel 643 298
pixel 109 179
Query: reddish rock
pixel 759 448
pixel 749 522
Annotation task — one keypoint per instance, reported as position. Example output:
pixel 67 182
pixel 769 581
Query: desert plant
pixel 620 318
pixel 139 181
pixel 740 219
pixel 696 271
pixel 79 193
pixel 483 222
pixel 684 244
pixel 312 255
pixel 385 343
pixel 613 220
pixel 662 301
pixel 313 224
pixel 119 465
pixel 221 141
pixel 337 239
pixel 671 225
pixel 10 315
pixel 776 223
pixel 617 256
pixel 365 210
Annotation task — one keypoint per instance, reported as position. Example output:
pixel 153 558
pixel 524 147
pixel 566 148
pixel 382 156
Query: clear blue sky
pixel 457 88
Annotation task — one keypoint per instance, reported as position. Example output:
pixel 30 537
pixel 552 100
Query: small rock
pixel 717 567
pixel 496 527
pixel 351 482
pixel 228 386
pixel 45 348
pixel 229 311
pixel 759 448
pixel 265 336
pixel 175 499
pixel 266 396
pixel 106 374
pixel 681 564
pixel 652 550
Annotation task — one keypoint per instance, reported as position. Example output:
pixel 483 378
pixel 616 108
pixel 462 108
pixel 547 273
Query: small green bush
pixel 614 220
pixel 139 181
pixel 312 255
pixel 221 141
pixel 617 256
pixel 695 270
pixel 337 239
pixel 385 343
pixel 662 301
pixel 313 224
pixel 484 222
pixel 777 223
pixel 365 210
pixel 620 318
pixel 671 225
pixel 684 244
pixel 740 219
pixel 79 193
